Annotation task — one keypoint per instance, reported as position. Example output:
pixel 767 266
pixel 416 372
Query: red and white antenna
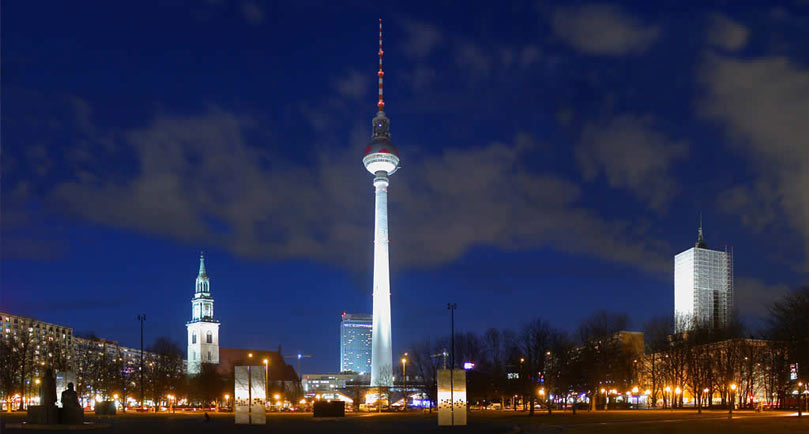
pixel 381 103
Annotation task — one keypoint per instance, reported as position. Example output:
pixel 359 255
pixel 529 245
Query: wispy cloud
pixel 763 103
pixel 252 13
pixel 632 153
pixel 421 38
pixel 726 33
pixel 198 178
pixel 602 29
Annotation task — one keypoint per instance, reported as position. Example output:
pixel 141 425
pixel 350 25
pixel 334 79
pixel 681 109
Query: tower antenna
pixel 381 103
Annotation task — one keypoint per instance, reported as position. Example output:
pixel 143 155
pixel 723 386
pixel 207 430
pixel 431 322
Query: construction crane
pixel 443 354
pixel 298 356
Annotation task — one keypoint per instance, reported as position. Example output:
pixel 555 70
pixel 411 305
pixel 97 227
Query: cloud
pixel 199 179
pixel 473 60
pixel 632 154
pixel 421 38
pixel 354 85
pixel 602 29
pixel 762 104
pixel 252 13
pixel 726 33
pixel 753 297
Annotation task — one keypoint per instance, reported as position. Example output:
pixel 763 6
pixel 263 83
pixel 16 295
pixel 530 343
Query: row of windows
pixel 194 356
pixel 208 338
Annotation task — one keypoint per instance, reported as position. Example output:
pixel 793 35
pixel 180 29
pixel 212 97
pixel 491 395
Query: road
pixel 486 422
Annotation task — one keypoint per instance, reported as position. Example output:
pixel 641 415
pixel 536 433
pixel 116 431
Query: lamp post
pixel 141 318
pixel 800 406
pixel 732 400
pixel 451 307
pixel 266 380
pixel 677 391
pixel 404 379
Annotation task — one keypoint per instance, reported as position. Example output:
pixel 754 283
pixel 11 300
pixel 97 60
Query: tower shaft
pixel 381 349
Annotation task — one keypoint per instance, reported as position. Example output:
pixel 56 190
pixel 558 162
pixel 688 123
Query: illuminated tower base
pixel 381 348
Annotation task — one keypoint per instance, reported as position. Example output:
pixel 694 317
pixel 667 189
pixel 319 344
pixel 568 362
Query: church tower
pixel 203 330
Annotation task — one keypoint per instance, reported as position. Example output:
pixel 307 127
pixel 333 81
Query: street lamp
pixel 404 379
pixel 266 379
pixel 227 397
pixel 677 392
pixel 800 407
pixel 732 399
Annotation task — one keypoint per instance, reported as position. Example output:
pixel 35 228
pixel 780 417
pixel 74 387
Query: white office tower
pixel 382 160
pixel 703 287
pixel 203 330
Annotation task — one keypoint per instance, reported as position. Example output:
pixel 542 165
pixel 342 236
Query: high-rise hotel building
pixel 703 287
pixel 355 343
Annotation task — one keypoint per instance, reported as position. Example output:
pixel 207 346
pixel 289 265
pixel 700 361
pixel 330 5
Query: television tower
pixel 382 160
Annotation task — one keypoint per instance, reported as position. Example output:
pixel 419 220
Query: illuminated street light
pixel 635 390
pixel 732 399
pixel 267 379
pixel 404 379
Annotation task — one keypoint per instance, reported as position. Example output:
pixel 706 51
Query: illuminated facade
pixel 41 344
pixel 355 343
pixel 203 330
pixel 703 287
pixel 382 160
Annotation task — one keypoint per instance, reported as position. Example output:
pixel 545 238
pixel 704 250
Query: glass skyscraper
pixel 703 287
pixel 355 343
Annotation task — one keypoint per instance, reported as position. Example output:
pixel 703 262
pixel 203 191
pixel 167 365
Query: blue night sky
pixel 555 157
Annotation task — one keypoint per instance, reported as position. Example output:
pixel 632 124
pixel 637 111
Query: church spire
pixel 700 240
pixel 202 264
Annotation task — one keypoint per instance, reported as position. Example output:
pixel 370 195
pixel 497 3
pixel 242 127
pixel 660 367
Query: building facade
pixel 355 342
pixel 27 347
pixel 703 287
pixel 203 329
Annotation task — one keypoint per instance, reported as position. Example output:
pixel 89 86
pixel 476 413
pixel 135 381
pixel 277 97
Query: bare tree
pixel 656 337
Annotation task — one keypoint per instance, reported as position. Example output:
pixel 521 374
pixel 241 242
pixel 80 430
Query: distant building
pixel 46 344
pixel 203 329
pixel 102 363
pixel 355 343
pixel 317 383
pixel 703 287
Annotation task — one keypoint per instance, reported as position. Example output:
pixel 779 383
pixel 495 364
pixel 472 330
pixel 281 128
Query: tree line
pixel 598 361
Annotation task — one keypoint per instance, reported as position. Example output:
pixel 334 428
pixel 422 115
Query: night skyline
pixel 556 157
